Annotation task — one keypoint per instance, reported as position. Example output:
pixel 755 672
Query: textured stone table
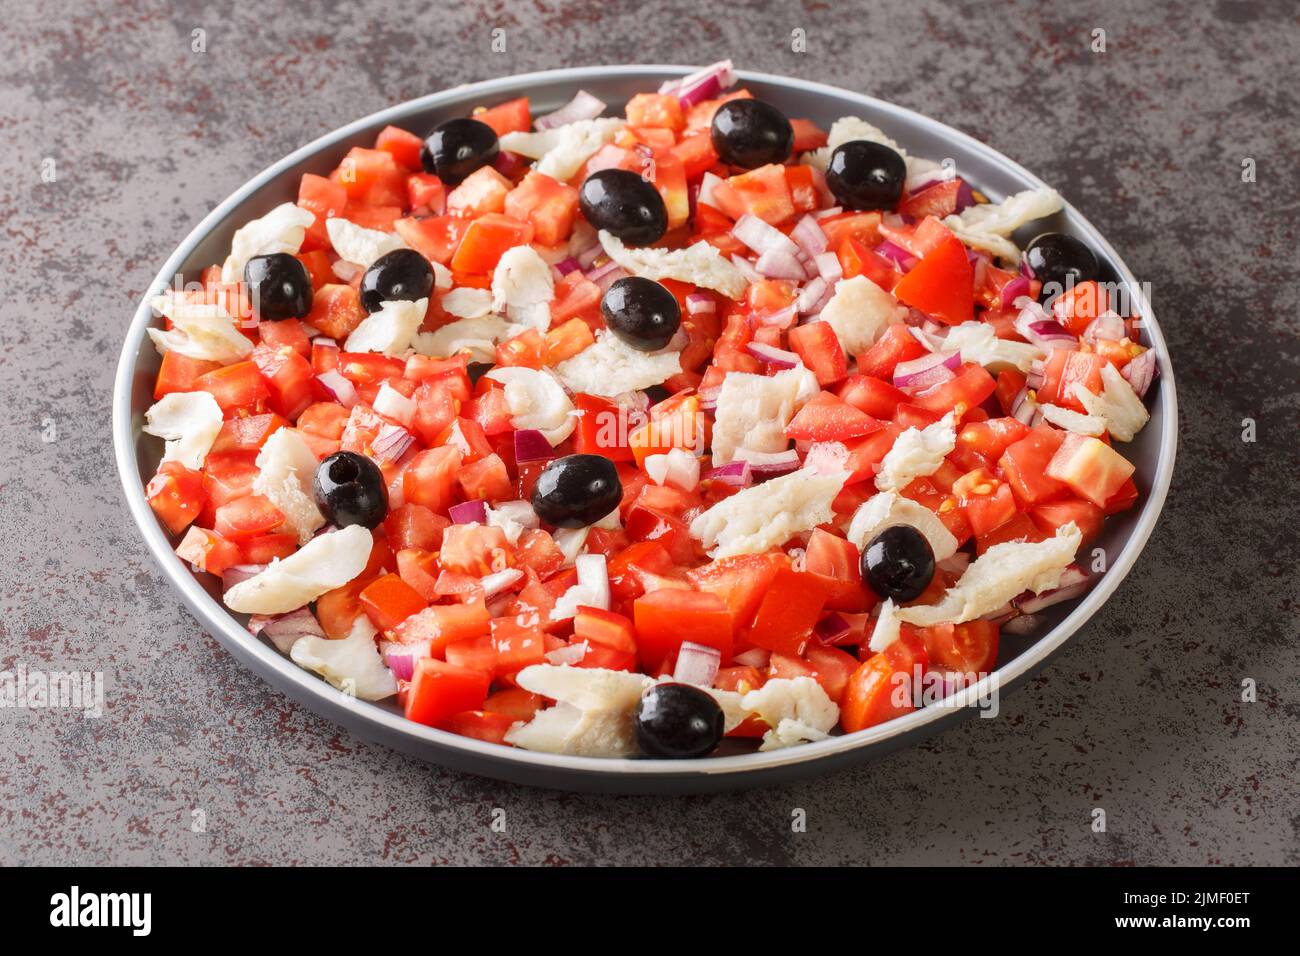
pixel 1141 714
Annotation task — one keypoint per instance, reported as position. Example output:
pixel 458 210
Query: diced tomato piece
pixel 379 218
pixel 819 347
pixel 896 344
pixel 606 628
pixel 602 428
pixel 516 646
pixel 696 154
pixel 764 192
pixel 487 239
pixel 790 607
pixel 1062 370
pixel 425 191
pixel 440 690
pixel 512 116
pixel 1124 499
pixel 1076 307
pixel 567 340
pixel 988 511
pixel 401 145
pixel 176 494
pixel 443 624
pixel 514 703
pixel 265 548
pixel 967 390
pixel 1053 514
pixel 866 453
pixel 234 386
pixel 472 653
pixel 336 310
pixel 246 517
pixel 389 601
pixel 576 296
pixel 548 205
pixel 288 378
pixel 803 188
pixel 420 569
pixel 831 667
pixel 485 479
pixel 371 177
pixel 481 192
pixel 970 648
pixel 667 617
pixel 879 690
pixel 1091 468
pixel 836 562
pixel 207 550
pixel 827 417
pixel 857 259
pixel 655 109
pixel 807 135
pixel 480 724
pixel 938 199
pixel 325 199
pixel 430 478
pixel 876 397
pixel 178 373
pixel 862 226
pixel 475 549
pixel 941 284
pixel 1024 466
pixel 435 238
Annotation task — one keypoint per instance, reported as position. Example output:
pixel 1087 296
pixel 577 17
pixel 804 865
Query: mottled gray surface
pixel 1140 715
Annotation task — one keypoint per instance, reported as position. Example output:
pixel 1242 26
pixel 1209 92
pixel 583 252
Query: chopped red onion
pixel 583 106
pixel 773 355
pixel 600 271
pixel 746 268
pixel 927 370
pixel 284 629
pixel 531 445
pixel 344 392
pixel 392 442
pixel 761 237
pixel 827 213
pixel 1037 602
pixel 832 629
pixel 346 271
pixel 1022 407
pixel 1013 290
pixel 567 265
pixel 391 403
pixel 500 581
pixel 468 512
pixel 509 164
pixel 896 254
pixel 708 183
pixel 756 657
pixel 587 257
pixel 780 264
pixel 736 473
pixel 808 236
pixel 1140 372
pixel 697 664
pixel 1039 329
pixel 238 573
pixel 812 296
pixel 698 303
pixel 1107 327
pixel 765 464
pixel 402 665
pixel 965 197
pixel 705 84
pixel 828 265
pixel 781 318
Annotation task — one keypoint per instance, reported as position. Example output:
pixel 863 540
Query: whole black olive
pixel 577 490
pixel 350 490
pixel 279 287
pixel 622 203
pixel 641 312
pixel 458 147
pixel 400 275
pixel 678 720
pixel 1060 262
pixel 898 563
pixel 751 133
pixel 866 175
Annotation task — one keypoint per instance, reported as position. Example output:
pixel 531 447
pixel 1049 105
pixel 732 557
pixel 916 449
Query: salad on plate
pixel 617 436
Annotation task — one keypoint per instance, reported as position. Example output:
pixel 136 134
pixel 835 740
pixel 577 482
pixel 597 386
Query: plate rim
pixel 332 704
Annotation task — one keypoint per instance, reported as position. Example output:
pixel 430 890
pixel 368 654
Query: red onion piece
pixel 392 404
pixel 761 237
pixel 284 629
pixel 701 85
pixel 343 391
pixel 468 512
pixel 1022 409
pixel 896 254
pixel 238 573
pixel 697 664
pixel 1107 327
pixel 402 665
pixel 1038 602
pixel 509 164
pixel 828 266
pixel 531 445
pixel 1013 290
pixel 965 196
pixel 746 268
pixel 827 213
pixel 708 183
pixel 500 581
pixel 737 473
pixel 1140 372
pixel 587 257
pixel 780 264
pixel 813 296
pixel 773 355
pixel 698 303
pixel 567 265
pixel 756 657
pixel 808 236
pixel 583 106
pixel 927 370
pixel 392 442
pixel 781 319
pixel 600 271
pixel 832 629
pixel 770 464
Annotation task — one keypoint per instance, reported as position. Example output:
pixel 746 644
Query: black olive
pixel 350 490
pixel 866 175
pixel 400 275
pixel 476 370
pixel 898 563
pixel 458 147
pixel 279 286
pixel 678 720
pixel 641 312
pixel 577 490
pixel 751 133
pixel 621 202
pixel 1060 262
